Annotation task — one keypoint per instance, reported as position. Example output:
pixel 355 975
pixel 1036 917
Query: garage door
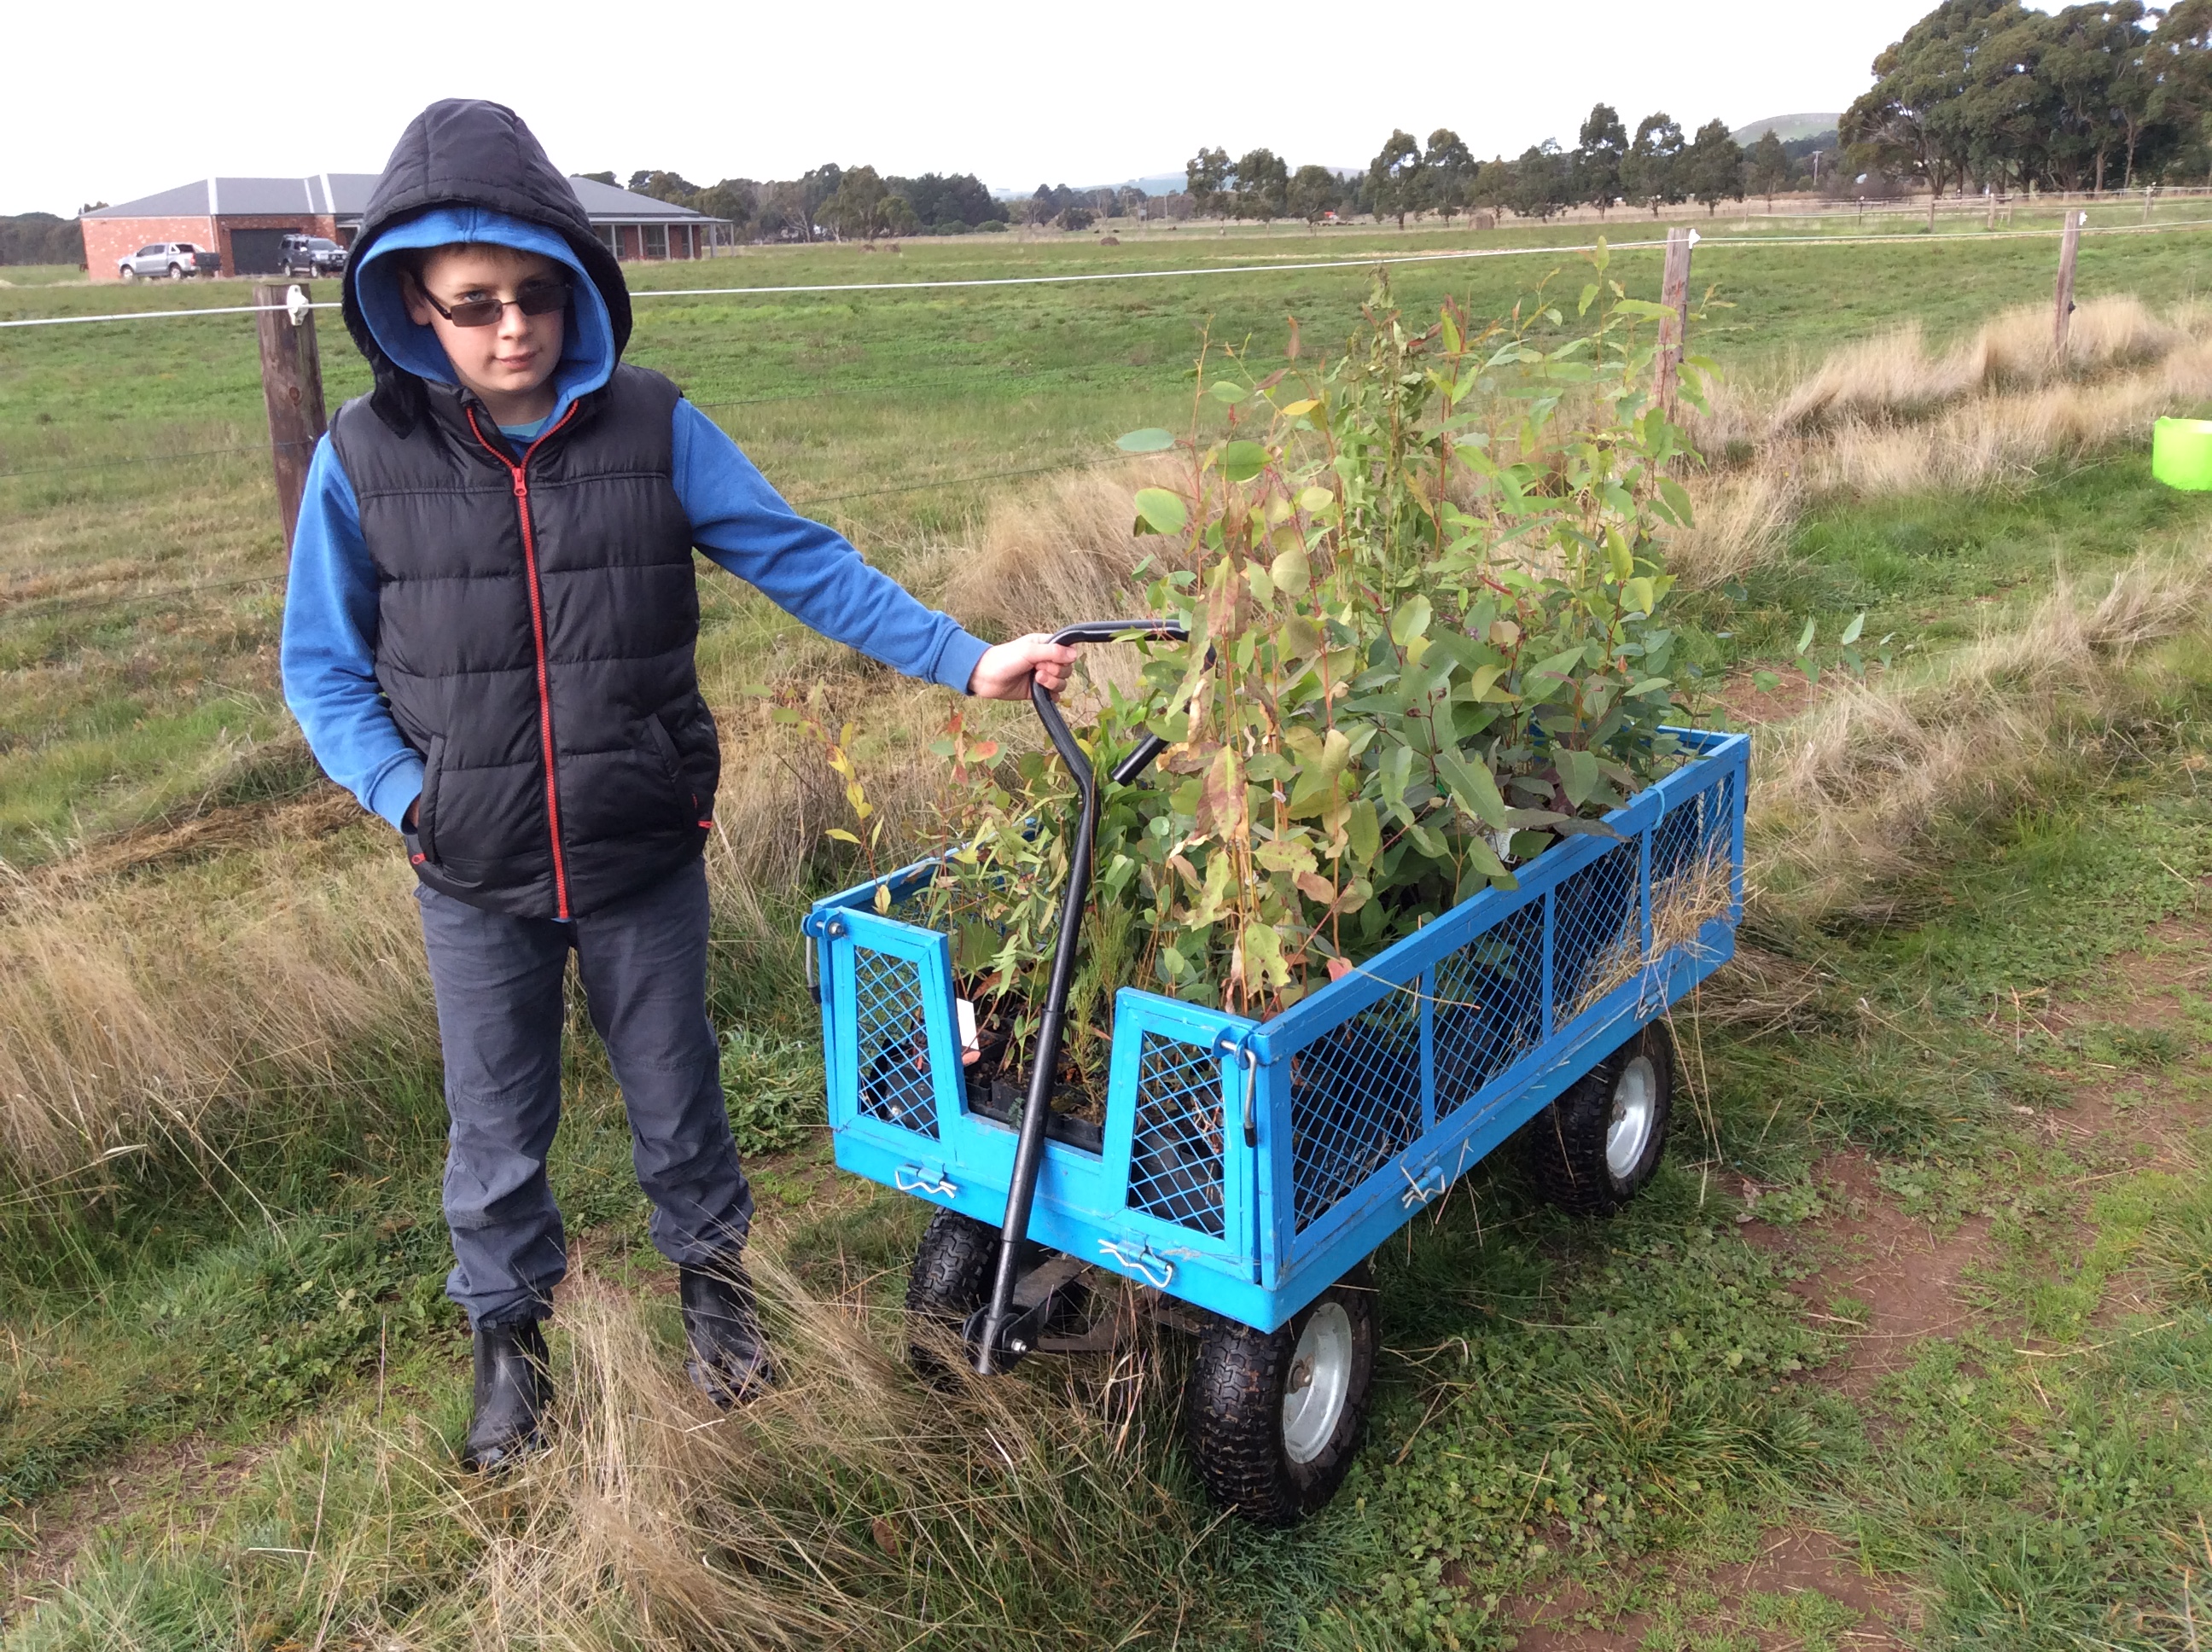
pixel 256 252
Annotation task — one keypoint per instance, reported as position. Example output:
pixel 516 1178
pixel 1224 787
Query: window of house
pixel 656 240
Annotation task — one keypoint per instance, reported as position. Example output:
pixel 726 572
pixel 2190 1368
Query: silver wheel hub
pixel 1635 1110
pixel 1319 1383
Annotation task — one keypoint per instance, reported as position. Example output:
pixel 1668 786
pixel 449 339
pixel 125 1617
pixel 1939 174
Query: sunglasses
pixel 540 297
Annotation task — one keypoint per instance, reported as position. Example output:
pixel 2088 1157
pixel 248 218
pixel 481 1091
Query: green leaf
pixel 1159 511
pixel 1677 497
pixel 1223 391
pixel 1412 620
pixel 1364 830
pixel 1851 631
pixel 1765 682
pixel 1805 642
pixel 1637 595
pixel 1153 439
pixel 1311 500
pixel 1291 574
pixel 1578 775
pixel 1548 677
pixel 1242 461
pixel 1472 788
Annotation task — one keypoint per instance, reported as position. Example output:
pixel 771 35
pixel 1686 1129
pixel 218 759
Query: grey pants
pixel 499 981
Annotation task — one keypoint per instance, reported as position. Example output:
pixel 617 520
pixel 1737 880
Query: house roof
pixel 345 195
pixel 607 204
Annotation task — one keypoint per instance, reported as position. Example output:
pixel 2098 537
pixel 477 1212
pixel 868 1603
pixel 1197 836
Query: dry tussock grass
pixel 1056 553
pixel 1895 375
pixel 1886 417
pixel 852 1507
pixel 1739 521
pixel 1844 796
pixel 136 1007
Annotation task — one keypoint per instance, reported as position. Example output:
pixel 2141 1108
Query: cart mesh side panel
pixel 1595 924
pixel 1678 843
pixel 1174 1156
pixel 1355 1101
pixel 893 1046
pixel 1720 817
pixel 1490 1005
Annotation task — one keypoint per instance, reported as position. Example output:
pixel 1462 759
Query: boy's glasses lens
pixel 532 298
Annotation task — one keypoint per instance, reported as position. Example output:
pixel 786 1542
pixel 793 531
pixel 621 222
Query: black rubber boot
pixel 729 1362
pixel 512 1390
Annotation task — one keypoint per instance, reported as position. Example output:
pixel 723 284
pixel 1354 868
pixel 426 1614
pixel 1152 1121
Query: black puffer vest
pixel 536 618
pixel 537 612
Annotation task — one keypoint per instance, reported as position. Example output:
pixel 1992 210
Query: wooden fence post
pixel 292 384
pixel 2069 243
pixel 1674 293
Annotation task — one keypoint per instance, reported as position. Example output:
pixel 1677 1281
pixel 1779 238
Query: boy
pixel 488 639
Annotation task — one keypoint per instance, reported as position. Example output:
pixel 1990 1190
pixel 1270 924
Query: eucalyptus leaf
pixel 1411 620
pixel 1242 461
pixel 1160 512
pixel 1578 775
pixel 1153 439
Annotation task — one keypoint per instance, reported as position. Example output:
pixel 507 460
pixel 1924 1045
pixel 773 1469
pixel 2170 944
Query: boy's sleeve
pixel 329 650
pixel 810 571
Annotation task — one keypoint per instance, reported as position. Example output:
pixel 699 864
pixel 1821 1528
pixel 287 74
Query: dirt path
pixel 1801 1581
pixel 188 1479
pixel 1885 1282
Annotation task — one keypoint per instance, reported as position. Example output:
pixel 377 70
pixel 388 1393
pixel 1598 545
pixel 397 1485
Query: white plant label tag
pixel 967 1014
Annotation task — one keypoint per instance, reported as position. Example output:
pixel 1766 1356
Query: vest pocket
pixel 672 762
pixel 426 810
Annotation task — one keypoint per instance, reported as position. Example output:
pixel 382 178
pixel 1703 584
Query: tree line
pixel 1990 94
pixel 42 238
pixel 1657 166
pixel 854 202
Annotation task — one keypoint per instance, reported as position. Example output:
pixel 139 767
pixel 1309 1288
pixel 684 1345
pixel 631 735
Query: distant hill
pixel 1788 128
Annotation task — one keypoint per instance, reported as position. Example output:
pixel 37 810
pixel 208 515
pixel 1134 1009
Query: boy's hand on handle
pixel 1005 672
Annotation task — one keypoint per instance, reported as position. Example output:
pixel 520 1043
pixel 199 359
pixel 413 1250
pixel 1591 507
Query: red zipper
pixel 538 635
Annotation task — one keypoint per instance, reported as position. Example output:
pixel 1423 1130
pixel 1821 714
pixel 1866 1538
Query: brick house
pixel 245 220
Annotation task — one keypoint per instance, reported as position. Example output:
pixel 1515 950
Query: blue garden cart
pixel 1245 1170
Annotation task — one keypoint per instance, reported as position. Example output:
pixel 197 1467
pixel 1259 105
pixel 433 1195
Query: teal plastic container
pixel 2181 454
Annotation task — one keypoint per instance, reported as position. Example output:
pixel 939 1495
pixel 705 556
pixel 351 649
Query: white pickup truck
pixel 175 259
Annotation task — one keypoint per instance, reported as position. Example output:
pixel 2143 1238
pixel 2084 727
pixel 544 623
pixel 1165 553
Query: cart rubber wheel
pixel 1273 1420
pixel 1593 1149
pixel 951 1276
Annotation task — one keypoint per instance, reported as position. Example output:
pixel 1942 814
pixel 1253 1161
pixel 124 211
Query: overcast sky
pixel 112 101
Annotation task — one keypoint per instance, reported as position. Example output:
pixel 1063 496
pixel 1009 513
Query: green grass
pixel 1626 1408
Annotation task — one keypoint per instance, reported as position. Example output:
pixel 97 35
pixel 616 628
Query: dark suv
pixel 311 255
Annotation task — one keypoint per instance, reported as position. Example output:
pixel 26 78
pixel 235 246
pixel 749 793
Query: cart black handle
pixel 1028 1148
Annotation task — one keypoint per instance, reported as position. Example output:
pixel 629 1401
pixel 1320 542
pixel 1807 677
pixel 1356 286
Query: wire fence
pixel 1710 243
pixel 1086 373
pixel 1715 241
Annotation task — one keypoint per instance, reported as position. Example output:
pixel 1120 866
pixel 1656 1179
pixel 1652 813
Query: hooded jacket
pixel 498 627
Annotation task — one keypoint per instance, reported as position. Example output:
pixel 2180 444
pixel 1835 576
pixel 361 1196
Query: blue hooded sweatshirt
pixel 810 571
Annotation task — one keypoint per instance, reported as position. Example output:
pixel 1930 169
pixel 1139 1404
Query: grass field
pixel 1910 1345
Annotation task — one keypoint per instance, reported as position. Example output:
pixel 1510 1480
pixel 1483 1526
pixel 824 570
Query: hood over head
pixel 467 170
